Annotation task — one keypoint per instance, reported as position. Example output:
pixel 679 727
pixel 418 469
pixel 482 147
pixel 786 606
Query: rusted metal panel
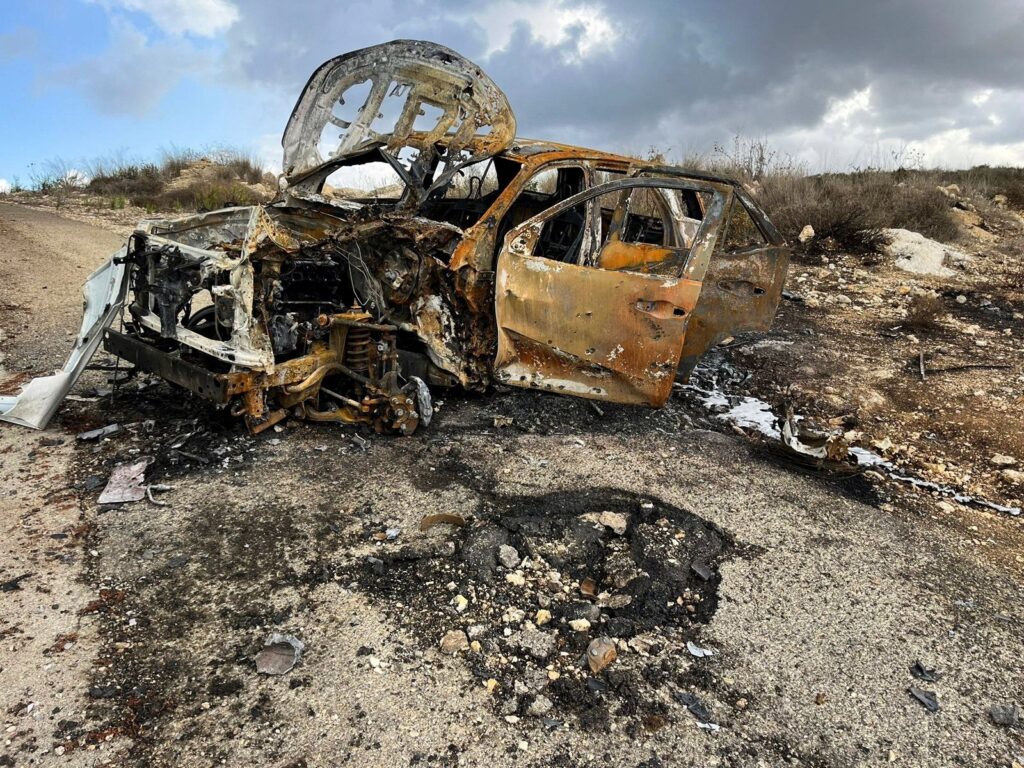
pixel 741 293
pixel 590 332
pixel 471 117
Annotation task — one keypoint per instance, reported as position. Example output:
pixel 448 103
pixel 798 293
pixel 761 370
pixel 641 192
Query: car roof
pixel 523 150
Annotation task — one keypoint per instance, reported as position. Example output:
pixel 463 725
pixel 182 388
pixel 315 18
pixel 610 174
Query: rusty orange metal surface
pixel 593 333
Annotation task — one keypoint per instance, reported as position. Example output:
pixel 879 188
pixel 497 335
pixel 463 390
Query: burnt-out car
pixel 474 257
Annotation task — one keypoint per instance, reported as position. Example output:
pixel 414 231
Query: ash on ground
pixel 525 589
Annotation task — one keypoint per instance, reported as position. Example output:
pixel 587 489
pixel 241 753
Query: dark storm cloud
pixel 687 74
pixel 684 75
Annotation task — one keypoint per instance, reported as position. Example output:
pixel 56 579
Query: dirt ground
pixel 131 638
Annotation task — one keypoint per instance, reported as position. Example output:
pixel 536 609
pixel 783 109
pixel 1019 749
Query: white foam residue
pixel 752 413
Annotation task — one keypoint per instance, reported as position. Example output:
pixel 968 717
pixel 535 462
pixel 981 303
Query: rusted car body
pixel 488 259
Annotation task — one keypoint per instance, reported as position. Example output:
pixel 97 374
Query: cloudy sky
pixel 834 84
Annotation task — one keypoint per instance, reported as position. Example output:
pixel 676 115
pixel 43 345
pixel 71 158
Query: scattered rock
pixel 616 521
pixel 538 644
pixel 582 610
pixel 461 603
pixel 1002 460
pixel 543 617
pixel 516 579
pixel 1000 201
pixel 539 707
pixel 1006 715
pixel 1012 476
pixel 508 556
pixel 580 625
pixel 454 641
pixel 600 653
pixel 806 234
pixel 513 616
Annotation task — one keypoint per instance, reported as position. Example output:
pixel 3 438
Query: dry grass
pixel 227 172
pixel 849 211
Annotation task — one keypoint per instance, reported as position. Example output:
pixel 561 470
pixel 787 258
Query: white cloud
pixel 958 148
pixel 203 18
pixel 5 186
pixel 134 73
pixel 549 22
pixel 840 111
pixel 982 96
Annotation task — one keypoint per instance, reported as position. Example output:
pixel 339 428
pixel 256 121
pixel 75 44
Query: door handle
pixel 660 309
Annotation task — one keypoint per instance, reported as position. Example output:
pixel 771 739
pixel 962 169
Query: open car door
pixel 744 278
pixel 605 317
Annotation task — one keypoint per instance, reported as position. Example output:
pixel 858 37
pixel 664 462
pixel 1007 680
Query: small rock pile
pixel 570 604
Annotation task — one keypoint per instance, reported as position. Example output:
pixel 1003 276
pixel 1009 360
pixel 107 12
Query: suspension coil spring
pixel 357 349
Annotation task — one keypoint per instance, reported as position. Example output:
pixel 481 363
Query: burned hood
pixel 424 108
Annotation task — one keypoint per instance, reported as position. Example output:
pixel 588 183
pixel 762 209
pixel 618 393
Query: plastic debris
pixel 921 672
pixel 696 650
pixel 929 699
pixel 280 654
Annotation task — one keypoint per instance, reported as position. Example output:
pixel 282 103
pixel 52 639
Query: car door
pixel 568 324
pixel 744 278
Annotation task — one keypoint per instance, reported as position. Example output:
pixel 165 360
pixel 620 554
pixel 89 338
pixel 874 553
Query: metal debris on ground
pixel 280 653
pixel 159 488
pixel 928 699
pixel 126 483
pixel 99 434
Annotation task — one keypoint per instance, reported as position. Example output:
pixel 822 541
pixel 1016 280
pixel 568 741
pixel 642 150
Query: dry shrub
pixel 131 180
pixel 145 184
pixel 201 196
pixel 852 209
pixel 925 311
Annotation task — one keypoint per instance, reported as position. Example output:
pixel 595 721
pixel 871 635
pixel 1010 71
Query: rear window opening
pixel 365 181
